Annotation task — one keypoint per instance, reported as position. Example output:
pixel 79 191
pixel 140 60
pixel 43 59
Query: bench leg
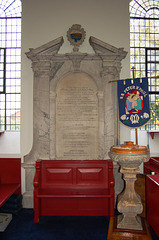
pixel 111 204
pixel 36 210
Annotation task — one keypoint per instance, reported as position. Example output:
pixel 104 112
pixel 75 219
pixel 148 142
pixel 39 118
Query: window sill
pixel 152 133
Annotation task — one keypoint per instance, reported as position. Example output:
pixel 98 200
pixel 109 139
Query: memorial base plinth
pixel 115 233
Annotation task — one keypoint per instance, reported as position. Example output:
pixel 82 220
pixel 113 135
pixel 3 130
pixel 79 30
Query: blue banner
pixel 133 98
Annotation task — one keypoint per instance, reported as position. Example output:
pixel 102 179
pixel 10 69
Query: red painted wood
pixel 10 178
pixel 6 190
pixel 152 165
pixel 152 198
pixel 73 187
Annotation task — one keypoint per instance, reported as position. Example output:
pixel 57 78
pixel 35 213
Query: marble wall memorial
pixel 74 105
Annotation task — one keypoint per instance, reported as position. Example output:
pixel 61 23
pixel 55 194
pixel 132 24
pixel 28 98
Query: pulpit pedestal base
pixel 115 233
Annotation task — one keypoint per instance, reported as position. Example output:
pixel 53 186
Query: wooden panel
pixel 58 204
pixel 94 176
pixel 59 176
pixel 72 207
pixel 10 170
pixel 54 174
pixel 95 204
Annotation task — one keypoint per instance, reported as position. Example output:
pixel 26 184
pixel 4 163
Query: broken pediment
pixel 49 48
pixel 104 50
pixel 101 47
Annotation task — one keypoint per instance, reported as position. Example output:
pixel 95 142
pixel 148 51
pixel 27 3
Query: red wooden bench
pixel 152 192
pixel 10 178
pixel 74 188
pixel 152 165
pixel 152 199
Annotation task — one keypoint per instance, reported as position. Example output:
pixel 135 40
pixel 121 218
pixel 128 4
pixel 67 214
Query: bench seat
pixel 73 187
pixel 6 190
pixel 73 193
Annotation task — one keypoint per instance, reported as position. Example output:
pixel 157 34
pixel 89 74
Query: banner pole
pixel 132 79
pixel 136 131
pixel 136 134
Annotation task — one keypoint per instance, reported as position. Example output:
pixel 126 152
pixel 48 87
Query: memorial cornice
pixel 103 52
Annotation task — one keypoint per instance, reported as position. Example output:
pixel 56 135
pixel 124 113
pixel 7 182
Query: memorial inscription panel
pixel 76 118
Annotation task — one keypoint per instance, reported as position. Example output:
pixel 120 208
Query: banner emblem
pixel 133 98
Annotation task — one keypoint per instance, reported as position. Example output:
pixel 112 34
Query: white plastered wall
pixel 44 21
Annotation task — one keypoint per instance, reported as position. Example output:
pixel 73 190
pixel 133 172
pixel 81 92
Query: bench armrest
pixel 37 175
pixel 111 188
pixel 111 177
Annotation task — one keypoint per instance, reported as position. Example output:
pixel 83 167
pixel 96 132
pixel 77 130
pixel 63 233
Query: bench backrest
pixel 76 173
pixel 10 170
pixel 152 165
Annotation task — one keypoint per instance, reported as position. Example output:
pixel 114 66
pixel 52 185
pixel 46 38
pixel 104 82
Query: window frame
pixel 138 47
pixel 10 43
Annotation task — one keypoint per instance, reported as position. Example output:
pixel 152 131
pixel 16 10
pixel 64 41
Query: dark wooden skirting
pixel 115 233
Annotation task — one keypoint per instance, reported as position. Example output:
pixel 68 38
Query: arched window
pixel 10 64
pixel 144 49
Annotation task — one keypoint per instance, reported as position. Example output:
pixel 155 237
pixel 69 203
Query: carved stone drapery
pixel 49 69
